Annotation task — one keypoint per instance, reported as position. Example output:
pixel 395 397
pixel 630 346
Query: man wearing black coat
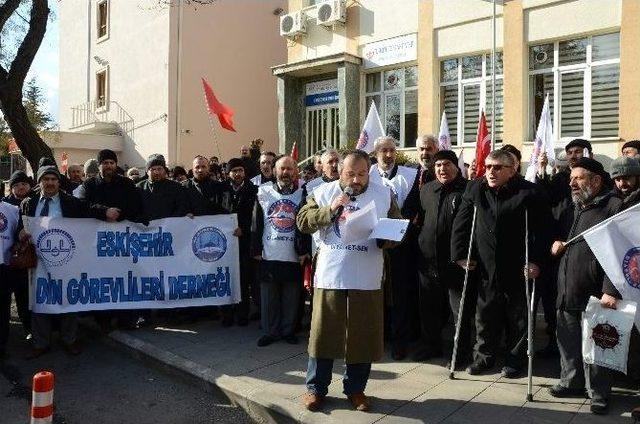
pixel 239 196
pixel 204 193
pixel 55 203
pixel 581 276
pixel 162 197
pixel 440 278
pixel 501 198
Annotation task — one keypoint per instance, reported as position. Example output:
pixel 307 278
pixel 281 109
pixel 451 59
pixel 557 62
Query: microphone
pixel 349 192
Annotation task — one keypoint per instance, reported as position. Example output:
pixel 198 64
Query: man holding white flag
pixel 580 277
pixel 444 139
pixel 371 131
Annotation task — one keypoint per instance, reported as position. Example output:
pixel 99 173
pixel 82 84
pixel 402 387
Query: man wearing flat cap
pixel 55 203
pixel 239 196
pixel 579 277
pixel 161 196
pixel 631 149
pixel 113 190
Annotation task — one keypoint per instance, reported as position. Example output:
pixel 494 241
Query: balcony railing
pixel 93 112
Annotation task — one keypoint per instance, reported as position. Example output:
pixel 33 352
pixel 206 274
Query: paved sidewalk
pixel 268 382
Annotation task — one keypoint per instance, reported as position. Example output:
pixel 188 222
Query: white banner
pixel 85 264
pixel 371 130
pixel 390 51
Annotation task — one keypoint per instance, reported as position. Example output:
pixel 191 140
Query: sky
pixel 45 64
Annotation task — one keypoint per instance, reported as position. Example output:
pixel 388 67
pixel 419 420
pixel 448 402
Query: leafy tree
pixel 33 101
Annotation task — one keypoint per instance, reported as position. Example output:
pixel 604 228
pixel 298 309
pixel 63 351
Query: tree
pixel 33 100
pixel 25 37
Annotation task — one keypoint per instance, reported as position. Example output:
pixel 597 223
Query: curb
pixel 261 405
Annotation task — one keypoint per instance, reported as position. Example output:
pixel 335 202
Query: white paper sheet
pixel 390 229
pixel 359 224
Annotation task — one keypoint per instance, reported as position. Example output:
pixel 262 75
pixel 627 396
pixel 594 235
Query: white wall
pixel 380 20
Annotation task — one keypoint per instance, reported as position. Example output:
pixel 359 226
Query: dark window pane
pixel 449 70
pixel 471 67
pixel 572 52
pixel 605 87
pixel 541 57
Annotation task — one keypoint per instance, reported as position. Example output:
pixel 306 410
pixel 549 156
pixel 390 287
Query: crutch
pixel 530 305
pixel 464 291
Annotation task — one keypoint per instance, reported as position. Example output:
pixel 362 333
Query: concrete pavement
pixel 268 383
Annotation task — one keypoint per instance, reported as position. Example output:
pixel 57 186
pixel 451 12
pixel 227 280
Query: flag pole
pixel 493 79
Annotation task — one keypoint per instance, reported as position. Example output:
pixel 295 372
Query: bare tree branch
pixel 30 45
pixel 6 10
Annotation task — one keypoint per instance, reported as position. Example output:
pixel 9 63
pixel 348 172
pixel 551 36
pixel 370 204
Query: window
pixel 465 88
pixel 103 19
pixel 395 93
pixel 582 79
pixel 102 88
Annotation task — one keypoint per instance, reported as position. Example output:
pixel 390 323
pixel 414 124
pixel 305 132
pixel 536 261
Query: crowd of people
pixel 364 293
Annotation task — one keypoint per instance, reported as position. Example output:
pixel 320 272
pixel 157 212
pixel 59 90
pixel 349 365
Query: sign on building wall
pixel 390 51
pixel 321 93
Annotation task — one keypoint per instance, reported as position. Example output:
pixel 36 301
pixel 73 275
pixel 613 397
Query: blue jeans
pixel 319 377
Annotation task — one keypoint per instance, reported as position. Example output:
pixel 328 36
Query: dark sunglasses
pixel 496 167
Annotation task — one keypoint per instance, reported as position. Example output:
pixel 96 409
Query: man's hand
pixel 543 161
pixel 531 270
pixel 237 232
pixel 113 214
pixel 341 200
pixel 558 248
pixel 302 259
pixel 608 301
pixel 24 236
pixel 462 263
pixel 258 257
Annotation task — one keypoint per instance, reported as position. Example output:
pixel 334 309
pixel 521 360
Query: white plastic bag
pixel 606 334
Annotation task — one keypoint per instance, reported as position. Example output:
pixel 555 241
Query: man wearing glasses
pixel 501 199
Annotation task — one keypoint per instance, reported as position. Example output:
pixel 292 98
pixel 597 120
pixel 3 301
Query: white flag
pixel 371 130
pixel 543 142
pixel 444 139
pixel 616 245
pixel 463 169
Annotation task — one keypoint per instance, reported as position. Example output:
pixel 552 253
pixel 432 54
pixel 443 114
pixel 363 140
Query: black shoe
pixel 549 351
pixel 511 372
pixel 398 353
pixel 480 366
pixel 559 391
pixel 243 322
pixel 227 322
pixel 291 339
pixel 425 354
pixel 265 341
pixel 599 406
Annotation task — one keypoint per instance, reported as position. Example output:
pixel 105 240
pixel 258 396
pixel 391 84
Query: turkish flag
pixel 483 145
pixel 294 151
pixel 224 112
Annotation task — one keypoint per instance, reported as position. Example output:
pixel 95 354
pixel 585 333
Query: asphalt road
pixel 104 385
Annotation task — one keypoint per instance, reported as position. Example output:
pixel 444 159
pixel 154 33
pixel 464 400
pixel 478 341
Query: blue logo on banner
pixel 209 244
pixel 3 222
pixel 631 267
pixel 322 99
pixel 56 246
pixel 282 215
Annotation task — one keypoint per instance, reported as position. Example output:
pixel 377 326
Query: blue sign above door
pixel 322 99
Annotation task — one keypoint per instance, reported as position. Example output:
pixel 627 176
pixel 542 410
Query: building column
pixel 290 112
pixel 515 75
pixel 629 72
pixel 349 102
pixel 428 72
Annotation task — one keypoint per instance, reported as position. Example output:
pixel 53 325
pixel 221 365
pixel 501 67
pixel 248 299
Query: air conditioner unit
pixel 331 12
pixel 293 24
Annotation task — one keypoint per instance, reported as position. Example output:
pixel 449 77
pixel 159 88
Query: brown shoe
pixel 36 352
pixel 312 401
pixel 359 401
pixel 73 349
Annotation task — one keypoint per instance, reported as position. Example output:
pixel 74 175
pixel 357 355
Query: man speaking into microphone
pixel 347 319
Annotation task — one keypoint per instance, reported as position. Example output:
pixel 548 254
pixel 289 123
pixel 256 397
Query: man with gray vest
pixel 347 319
pixel 402 181
pixel 273 245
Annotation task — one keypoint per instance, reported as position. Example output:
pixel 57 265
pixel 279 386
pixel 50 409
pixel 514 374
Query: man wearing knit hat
pixel 631 149
pixel 579 277
pixel 625 172
pixel 112 190
pixel 239 196
pixel 91 168
pixel 53 202
pixel 162 197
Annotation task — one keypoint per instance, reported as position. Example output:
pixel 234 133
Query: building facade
pixel 133 68
pixel 418 58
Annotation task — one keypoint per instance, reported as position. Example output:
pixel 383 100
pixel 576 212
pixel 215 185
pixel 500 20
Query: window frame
pixel 101 38
pixel 558 71
pixel 105 107
pixel 484 80
pixel 382 93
